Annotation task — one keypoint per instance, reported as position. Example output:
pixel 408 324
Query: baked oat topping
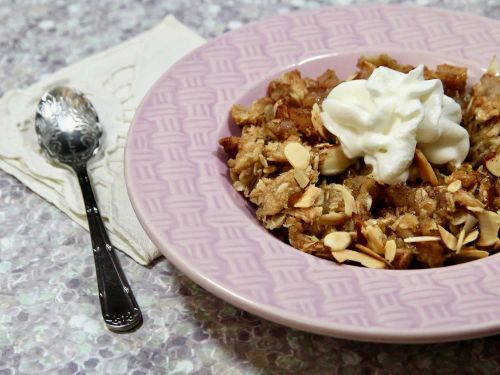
pixel 319 201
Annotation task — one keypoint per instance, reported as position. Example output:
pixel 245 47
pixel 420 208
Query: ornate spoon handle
pixel 118 305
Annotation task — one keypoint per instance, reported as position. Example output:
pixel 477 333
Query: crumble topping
pixel 316 199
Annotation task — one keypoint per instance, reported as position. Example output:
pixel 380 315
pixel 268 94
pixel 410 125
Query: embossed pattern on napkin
pixel 115 81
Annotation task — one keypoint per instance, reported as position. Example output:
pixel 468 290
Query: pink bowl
pixel 177 179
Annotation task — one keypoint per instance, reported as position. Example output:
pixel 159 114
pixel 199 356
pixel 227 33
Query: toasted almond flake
pixel 332 161
pixel 449 239
pixel 470 222
pixel 297 155
pixel 337 241
pixel 470 254
pixel 454 186
pixel 488 228
pixel 476 253
pixel 355 256
pixel 332 218
pixel 472 236
pixel 349 202
pixel 263 161
pixel 390 250
pixel 493 165
pixel 275 221
pixel 425 168
pixel 493 66
pixel 282 187
pixel 310 197
pixel 460 241
pixel 422 239
pixel 301 178
pixel 464 198
pixel 374 236
pixel 317 122
pixel 238 186
pixel 270 169
pixel 370 252
pixel 475 209
pixel 256 169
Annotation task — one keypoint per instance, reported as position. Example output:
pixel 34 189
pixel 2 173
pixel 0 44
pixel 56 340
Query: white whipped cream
pixel 383 118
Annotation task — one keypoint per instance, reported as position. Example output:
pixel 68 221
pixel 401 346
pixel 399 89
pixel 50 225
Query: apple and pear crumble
pixel 395 167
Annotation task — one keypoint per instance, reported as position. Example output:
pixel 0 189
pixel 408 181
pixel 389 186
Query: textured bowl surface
pixel 177 179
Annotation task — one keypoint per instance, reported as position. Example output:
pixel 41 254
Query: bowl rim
pixel 379 334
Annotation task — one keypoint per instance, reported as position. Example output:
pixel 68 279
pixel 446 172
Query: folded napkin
pixel 115 81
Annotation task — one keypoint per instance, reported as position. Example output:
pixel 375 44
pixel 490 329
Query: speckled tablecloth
pixel 50 319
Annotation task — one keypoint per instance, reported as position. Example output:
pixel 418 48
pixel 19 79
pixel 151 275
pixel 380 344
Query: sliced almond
pixel 375 238
pixel 263 161
pixel 275 221
pixel 476 254
pixel 421 239
pixel 467 255
pixel 297 155
pixel 454 186
pixel 493 66
pixel 238 186
pixel 365 260
pixel 470 222
pixel 460 241
pixel 370 252
pixel 449 239
pixel 270 169
pixel 493 165
pixel 309 198
pixel 489 224
pixel 349 202
pixel 337 241
pixel 317 122
pixel 472 236
pixel 466 199
pixel 390 250
pixel 301 177
pixel 425 168
pixel 332 218
pixel 332 161
pixel 475 209
pixel 282 187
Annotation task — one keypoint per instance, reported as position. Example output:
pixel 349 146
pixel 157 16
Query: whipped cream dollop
pixel 385 117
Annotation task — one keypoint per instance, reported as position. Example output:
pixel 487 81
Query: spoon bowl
pixel 67 125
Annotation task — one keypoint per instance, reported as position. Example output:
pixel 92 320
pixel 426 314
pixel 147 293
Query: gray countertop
pixel 49 314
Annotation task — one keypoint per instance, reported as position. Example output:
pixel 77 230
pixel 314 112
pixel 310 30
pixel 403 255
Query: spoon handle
pixel 118 305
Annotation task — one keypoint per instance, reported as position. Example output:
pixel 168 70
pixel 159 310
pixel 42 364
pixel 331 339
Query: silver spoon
pixel 69 131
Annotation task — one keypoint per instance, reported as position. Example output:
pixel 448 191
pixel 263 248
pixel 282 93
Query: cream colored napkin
pixel 115 81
